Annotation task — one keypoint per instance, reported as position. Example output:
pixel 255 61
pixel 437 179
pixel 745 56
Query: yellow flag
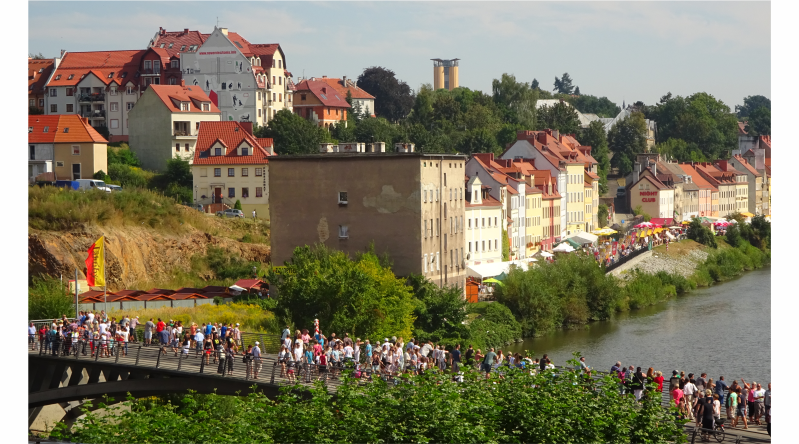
pixel 95 264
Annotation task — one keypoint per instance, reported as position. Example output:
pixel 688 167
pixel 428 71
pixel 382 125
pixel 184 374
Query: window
pixel 129 106
pixel 217 151
pixel 129 90
pixel 224 85
pixel 438 267
pixel 245 192
pixel 114 106
pixel 302 97
pixel 259 172
pixel 259 192
pixel 184 106
pixel 207 107
pixel 53 92
pixel 59 163
pixel 342 198
pixel 217 172
pixel 425 195
pixel 231 172
pixel 177 147
pixel 54 108
pixel 343 231
pixel 76 150
pixel 176 63
pixel 69 92
pixel 41 103
pixel 245 151
pixel 114 123
pixel 203 172
pixel 186 147
pixel 245 172
pixel 70 108
pixel 147 65
pixel 231 192
pixel 32 102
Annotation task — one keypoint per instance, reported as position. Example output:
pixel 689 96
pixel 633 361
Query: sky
pixel 626 51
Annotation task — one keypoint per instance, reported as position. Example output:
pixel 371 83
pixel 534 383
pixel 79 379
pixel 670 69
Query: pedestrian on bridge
pixel 256 356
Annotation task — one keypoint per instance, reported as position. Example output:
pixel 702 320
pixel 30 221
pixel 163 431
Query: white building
pixel 483 234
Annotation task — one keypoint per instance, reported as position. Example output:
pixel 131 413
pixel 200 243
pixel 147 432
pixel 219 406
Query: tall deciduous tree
pixel 626 139
pixel 359 297
pixel 759 123
pixel 534 85
pixel 375 129
pixel 293 134
pixel 577 91
pixel 751 103
pixel 563 85
pixel 393 97
pixel 595 137
pixel 517 98
pixel 699 119
pixel 601 106
pixel 560 116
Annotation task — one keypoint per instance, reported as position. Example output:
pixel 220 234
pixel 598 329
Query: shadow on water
pixel 722 330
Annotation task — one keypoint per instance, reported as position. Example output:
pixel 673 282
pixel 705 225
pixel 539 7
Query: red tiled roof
pixel 266 51
pixel 173 95
pixel 77 129
pixel 696 177
pixel 160 291
pixel 324 92
pixel 182 296
pixel 118 297
pixel 92 294
pixel 178 39
pixel 742 128
pixel 130 292
pixel 189 290
pixel 38 72
pixel 487 202
pixel 264 141
pixel 214 289
pixel 250 283
pixel 338 85
pixel 230 134
pixel 101 64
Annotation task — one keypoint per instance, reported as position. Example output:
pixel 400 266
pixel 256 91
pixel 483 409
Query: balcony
pixel 182 133
pixel 92 97
pixel 94 114
pixel 155 71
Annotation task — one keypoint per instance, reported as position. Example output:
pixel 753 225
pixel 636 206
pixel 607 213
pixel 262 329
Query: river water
pixel 721 330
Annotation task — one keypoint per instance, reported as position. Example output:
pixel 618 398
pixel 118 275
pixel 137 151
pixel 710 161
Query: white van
pixel 90 184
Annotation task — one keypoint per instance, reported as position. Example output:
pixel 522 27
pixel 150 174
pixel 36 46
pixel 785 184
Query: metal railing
pixel 624 259
pixel 91 97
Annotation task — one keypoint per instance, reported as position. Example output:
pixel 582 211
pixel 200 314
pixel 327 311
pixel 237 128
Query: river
pixel 722 330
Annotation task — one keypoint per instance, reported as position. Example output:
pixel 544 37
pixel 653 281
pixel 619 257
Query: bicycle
pixel 718 429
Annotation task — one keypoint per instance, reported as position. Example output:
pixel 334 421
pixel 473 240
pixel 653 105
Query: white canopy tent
pixel 584 237
pixel 563 248
pixel 484 271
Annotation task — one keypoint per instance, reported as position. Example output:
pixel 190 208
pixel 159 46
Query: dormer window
pixel 206 106
pixel 162 45
pixel 41 70
pixel 217 151
pixel 245 151
pixel 184 106
pixel 58 77
pixel 183 47
pixel 46 129
pixel 111 75
pixel 170 45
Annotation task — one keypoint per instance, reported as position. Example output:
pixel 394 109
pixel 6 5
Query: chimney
pixel 185 30
pixel 247 127
pixel 160 31
pixel 655 169
pixel 556 135
pixel 324 90
pixel 344 81
pixel 85 120
pixel 182 83
pixel 324 77
pixel 224 30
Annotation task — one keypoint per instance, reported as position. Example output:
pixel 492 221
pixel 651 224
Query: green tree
pixel 422 111
pixel 759 123
pixel 35 111
pixel 595 137
pixel 602 215
pixel 701 234
pixel 38 56
pixel 122 155
pixel 561 116
pixel 701 121
pixel 626 139
pixel 48 298
pixel 343 131
pixel 601 106
pixel 393 97
pixel 358 297
pixel 680 150
pixel 178 171
pixel 237 205
pixel 534 84
pixel 563 85
pixel 505 245
pixel 374 129
pixel 293 134
pixel 516 100
pixel 438 310
pixel 751 103
pixel 576 90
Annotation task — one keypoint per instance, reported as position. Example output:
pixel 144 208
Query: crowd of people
pixel 307 355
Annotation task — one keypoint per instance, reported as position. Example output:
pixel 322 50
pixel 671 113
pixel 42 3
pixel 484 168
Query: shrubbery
pixel 701 234
pixel 48 298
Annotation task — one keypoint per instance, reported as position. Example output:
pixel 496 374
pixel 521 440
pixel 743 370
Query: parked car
pixel 89 184
pixel 620 192
pixel 68 184
pixel 114 187
pixel 230 213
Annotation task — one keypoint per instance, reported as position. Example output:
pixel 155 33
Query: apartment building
pixel 408 205
pixel 531 220
pixel 360 98
pixel 741 204
pixel 247 82
pixel 165 122
pixel 39 71
pixel 707 194
pixel 725 182
pixel 686 193
pixel 102 86
pixel 320 103
pixel 550 208
pixel 754 180
pixel 231 164
pixel 653 196
pixel 483 232
pixel 66 145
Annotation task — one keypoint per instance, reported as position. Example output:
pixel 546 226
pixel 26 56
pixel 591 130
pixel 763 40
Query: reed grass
pixel 251 317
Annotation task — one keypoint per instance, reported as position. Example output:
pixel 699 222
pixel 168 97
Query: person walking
pixel 455 359
pixel 690 390
pixel 248 361
pixel 732 405
pixel 741 410
pixel 148 332
pixel 759 406
pixel 704 414
pixel 256 357
pixel 488 362
pixel 720 388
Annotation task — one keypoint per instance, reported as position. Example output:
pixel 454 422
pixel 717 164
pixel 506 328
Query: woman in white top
pixel 398 361
pixel 125 335
pixel 357 350
pixel 282 357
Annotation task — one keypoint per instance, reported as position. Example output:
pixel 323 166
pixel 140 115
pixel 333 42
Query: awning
pixel 483 271
pixel 584 238
pixel 747 214
pixel 563 247
pixel 671 236
pixel 662 221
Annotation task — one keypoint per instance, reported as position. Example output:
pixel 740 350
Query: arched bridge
pixel 71 375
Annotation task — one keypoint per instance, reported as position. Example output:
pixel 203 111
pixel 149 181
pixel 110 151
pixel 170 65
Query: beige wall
pixel 205 182
pixel 476 234
pixel 385 206
pixel 535 215
pixel 93 157
pixel 576 187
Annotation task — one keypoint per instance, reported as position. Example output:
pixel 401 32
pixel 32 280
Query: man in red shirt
pixel 160 326
pixel 163 335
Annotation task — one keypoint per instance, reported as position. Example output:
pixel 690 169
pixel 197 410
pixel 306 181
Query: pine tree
pixel 563 85
pixel 534 85
pixel 577 91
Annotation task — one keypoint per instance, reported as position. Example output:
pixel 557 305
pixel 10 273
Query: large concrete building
pixel 445 74
pixel 409 205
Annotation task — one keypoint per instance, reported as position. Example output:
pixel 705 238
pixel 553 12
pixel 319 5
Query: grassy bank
pixel 574 291
pixel 251 317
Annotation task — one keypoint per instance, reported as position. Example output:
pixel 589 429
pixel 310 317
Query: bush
pixel 128 176
pixel 48 298
pixel 237 205
pixel 218 300
pixel 701 234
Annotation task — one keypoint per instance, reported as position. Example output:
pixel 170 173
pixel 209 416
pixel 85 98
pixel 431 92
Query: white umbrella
pixel 546 254
pixel 236 288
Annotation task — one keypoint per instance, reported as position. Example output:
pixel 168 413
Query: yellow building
pixel 535 224
pixel 445 74
pixel 230 165
pixel 66 145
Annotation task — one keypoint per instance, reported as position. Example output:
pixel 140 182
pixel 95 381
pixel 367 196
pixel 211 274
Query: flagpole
pixel 105 283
